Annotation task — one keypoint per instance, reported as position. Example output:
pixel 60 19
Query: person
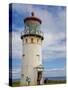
pixel 46 80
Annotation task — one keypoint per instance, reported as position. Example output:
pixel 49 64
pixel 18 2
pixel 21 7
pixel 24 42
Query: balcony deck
pixel 36 34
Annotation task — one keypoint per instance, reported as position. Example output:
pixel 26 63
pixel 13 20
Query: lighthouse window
pixel 26 40
pixel 22 75
pixel 37 40
pixel 38 57
pixel 31 40
pixel 23 55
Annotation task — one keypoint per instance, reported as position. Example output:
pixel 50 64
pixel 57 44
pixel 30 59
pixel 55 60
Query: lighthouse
pixel 31 64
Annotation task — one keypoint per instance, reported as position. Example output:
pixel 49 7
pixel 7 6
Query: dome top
pixel 32 18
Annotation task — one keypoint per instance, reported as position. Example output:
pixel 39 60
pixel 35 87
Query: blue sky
pixel 54 44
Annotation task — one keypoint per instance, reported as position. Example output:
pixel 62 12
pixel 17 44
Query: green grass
pixel 55 82
pixel 17 83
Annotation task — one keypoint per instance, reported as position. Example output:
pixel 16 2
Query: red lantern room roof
pixel 32 18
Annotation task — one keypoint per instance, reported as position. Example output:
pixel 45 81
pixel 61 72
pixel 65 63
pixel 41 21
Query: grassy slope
pixel 17 83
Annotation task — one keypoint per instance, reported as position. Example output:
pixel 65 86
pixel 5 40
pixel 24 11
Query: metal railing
pixel 37 33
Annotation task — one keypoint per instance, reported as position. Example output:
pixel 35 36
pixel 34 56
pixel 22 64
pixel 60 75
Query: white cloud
pixel 53 72
pixel 16 70
pixel 54 29
pixel 21 8
pixel 16 73
pixel 52 48
pixel 16 45
pixel 52 26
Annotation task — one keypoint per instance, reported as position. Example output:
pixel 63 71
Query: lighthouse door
pixel 39 76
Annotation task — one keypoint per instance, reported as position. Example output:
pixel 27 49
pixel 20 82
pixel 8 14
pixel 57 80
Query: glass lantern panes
pixel 32 28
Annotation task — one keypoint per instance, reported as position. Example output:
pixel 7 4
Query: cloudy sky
pixel 54 44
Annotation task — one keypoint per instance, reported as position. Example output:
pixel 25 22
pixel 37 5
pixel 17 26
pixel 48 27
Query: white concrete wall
pixel 31 59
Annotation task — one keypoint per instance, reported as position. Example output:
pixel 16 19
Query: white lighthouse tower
pixel 32 37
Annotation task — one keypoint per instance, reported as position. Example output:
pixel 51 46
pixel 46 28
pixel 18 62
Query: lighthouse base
pixel 33 78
